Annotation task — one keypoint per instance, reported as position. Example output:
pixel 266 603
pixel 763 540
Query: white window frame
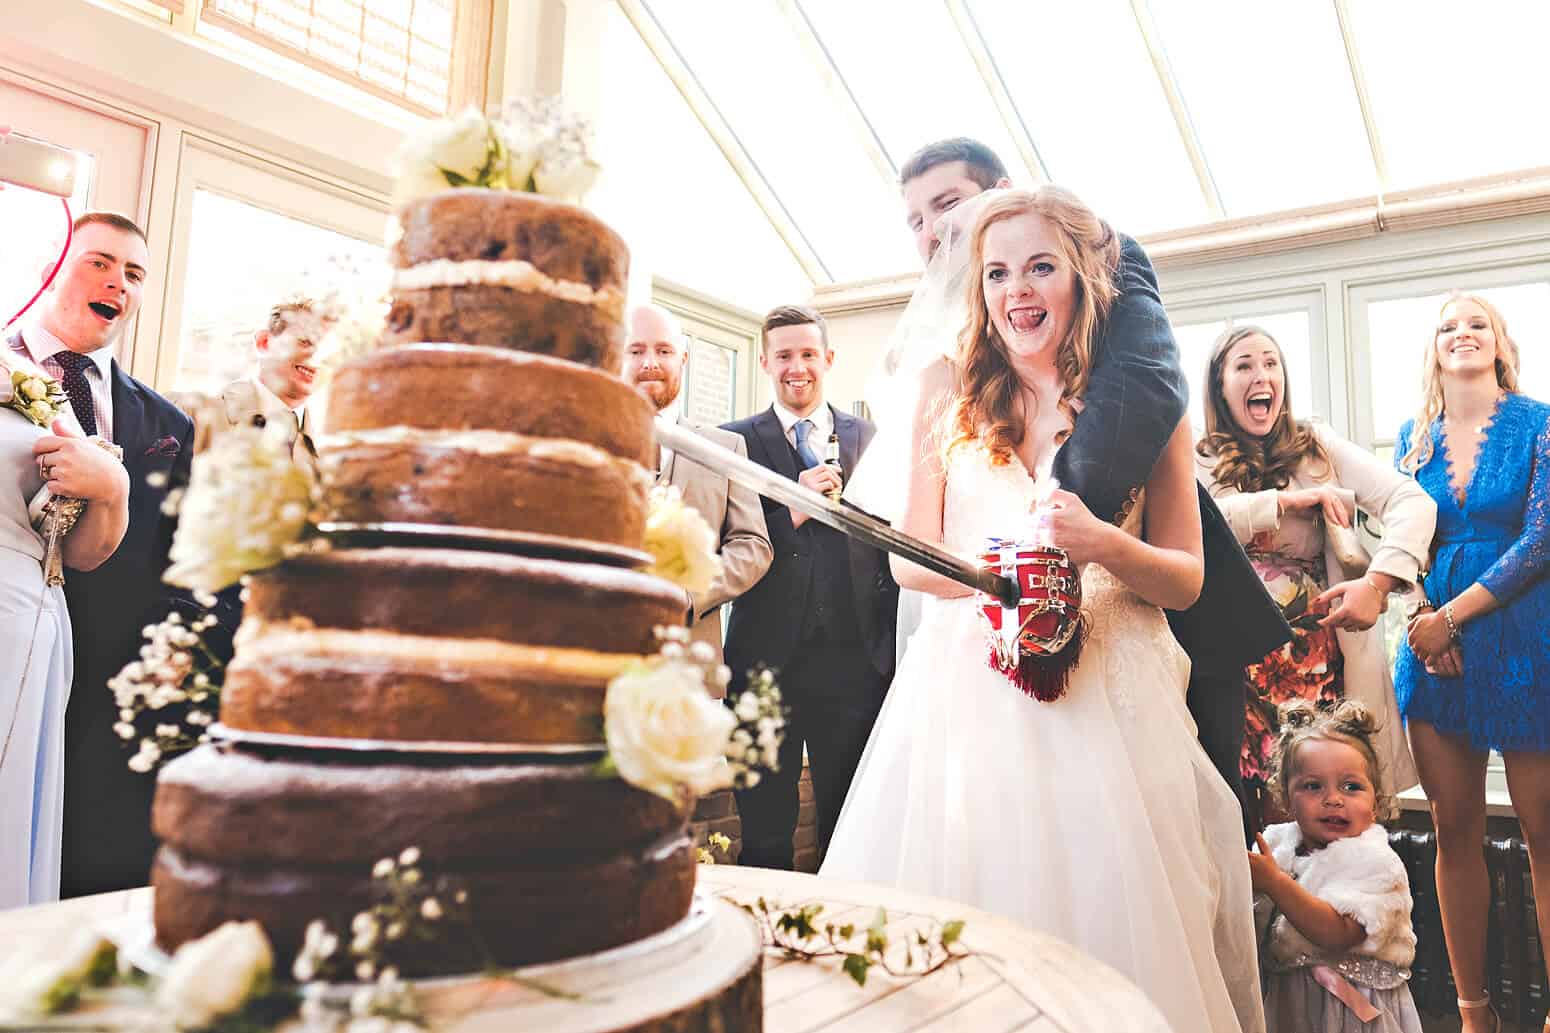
pixel 1504 273
pixel 716 322
pixel 208 164
pixel 1243 308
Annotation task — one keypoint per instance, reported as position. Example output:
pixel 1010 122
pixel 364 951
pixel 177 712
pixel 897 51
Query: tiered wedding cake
pixel 478 663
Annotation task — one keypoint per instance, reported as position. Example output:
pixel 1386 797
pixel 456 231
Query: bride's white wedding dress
pixel 1097 818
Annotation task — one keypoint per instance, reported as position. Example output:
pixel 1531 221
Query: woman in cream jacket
pixel 1290 490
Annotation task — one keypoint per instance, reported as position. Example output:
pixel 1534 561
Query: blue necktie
pixel 809 458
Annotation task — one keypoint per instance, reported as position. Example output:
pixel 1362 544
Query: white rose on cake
pixel 664 731
pixel 216 974
pixel 462 145
pixel 682 545
pixel 448 152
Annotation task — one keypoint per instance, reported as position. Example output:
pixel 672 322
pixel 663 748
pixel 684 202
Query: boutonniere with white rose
pixel 681 543
pixel 666 733
pixel 535 146
pixel 31 391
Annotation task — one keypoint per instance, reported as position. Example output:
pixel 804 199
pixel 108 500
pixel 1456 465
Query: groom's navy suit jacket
pixel 107 835
pixel 1135 398
pixel 766 621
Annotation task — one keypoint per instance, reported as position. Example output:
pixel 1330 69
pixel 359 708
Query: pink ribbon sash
pixel 1347 994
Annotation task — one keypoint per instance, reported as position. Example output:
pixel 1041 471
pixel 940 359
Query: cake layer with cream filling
pixel 486 479
pixel 462 594
pixel 509 270
pixel 383 685
pixel 463 387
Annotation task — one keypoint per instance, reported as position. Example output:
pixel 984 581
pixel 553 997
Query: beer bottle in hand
pixel 831 457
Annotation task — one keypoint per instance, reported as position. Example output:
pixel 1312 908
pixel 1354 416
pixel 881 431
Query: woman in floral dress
pixel 1290 490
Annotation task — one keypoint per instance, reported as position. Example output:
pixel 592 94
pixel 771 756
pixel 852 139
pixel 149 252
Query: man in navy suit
pixel 107 833
pixel 1136 396
pixel 823 615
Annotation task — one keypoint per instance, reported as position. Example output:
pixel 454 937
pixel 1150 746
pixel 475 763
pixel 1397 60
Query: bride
pixel 1096 818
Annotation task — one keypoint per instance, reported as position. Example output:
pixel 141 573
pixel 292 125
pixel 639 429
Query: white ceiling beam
pixel 1359 81
pixel 995 85
pixel 721 134
pixel 1175 97
pixel 840 96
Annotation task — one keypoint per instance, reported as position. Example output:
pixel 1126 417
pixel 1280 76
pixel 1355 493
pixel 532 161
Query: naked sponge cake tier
pixel 509 270
pixel 558 861
pixel 449 434
pixel 436 644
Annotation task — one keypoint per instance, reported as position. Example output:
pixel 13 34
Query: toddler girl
pixel 1339 942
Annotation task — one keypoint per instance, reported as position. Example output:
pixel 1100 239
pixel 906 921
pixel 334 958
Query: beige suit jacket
pixel 737 515
pixel 246 401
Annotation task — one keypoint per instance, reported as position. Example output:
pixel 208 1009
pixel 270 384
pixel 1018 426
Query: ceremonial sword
pixel 847 520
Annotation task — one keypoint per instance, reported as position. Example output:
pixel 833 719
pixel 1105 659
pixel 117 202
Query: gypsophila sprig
pixel 176 682
pixel 411 911
pixel 246 508
pixel 797 934
pixel 558 141
pixel 754 746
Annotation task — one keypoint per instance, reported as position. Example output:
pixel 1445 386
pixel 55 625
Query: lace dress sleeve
pixel 1526 560
pixel 1402 445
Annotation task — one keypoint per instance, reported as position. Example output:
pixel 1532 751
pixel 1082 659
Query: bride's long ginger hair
pixel 1431 379
pixel 1243 461
pixel 987 406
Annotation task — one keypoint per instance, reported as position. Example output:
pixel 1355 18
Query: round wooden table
pixel 1017 979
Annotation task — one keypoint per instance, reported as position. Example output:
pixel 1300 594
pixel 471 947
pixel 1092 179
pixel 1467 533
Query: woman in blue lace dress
pixel 1474 674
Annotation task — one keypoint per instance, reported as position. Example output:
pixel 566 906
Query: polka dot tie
pixel 76 386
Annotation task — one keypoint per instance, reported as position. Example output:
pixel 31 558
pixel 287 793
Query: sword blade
pixel 847 520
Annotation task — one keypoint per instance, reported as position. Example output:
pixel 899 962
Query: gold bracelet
pixel 1383 596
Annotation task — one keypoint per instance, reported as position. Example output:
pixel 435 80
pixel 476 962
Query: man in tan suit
pixel 282 383
pixel 654 359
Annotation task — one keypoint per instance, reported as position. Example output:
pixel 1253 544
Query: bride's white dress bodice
pixel 983 500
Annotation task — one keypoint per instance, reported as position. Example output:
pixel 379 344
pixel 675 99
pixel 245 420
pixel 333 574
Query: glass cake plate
pixel 134 934
pixel 575 751
pixel 525 543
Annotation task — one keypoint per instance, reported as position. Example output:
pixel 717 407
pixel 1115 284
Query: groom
pixel 107 826
pixel 1135 398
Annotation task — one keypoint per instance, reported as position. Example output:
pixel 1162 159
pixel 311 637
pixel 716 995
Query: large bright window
pixel 35 228
pixel 671 194
pixel 242 260
pixel 401 48
pixel 1400 329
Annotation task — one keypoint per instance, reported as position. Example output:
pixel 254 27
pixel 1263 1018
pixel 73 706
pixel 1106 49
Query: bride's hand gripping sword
pixel 847 520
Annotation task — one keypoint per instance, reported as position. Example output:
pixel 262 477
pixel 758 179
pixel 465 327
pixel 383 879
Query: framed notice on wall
pixel 710 388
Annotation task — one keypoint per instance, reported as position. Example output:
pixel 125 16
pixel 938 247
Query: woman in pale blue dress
pixel 35 643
